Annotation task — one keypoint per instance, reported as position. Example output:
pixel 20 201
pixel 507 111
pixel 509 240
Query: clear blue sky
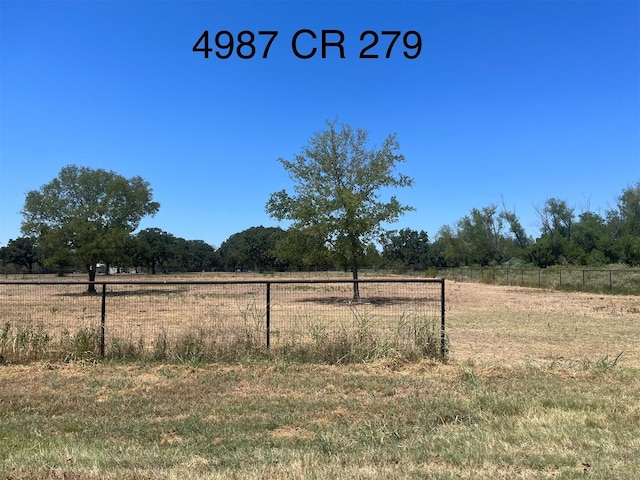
pixel 513 100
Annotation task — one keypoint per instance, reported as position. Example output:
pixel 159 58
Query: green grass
pixel 543 385
pixel 286 420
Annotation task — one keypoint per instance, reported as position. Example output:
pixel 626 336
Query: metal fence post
pixel 268 315
pixel 103 318
pixel 443 337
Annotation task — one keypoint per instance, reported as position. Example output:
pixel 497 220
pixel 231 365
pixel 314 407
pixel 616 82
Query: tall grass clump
pixel 4 339
pixel 84 344
pixel 366 339
pixel 365 336
pixel 32 342
pixel 424 334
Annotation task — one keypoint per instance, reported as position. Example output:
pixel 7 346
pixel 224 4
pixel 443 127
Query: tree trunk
pixel 92 278
pixel 356 285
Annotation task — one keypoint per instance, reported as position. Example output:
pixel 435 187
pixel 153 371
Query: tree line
pixel 486 236
pixel 88 219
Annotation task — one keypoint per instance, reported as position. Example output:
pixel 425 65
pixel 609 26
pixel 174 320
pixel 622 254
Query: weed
pixel 4 337
pixel 431 272
pixel 254 320
pixel 86 342
pixel 423 332
pixel 469 378
pixel 160 346
pixel 124 350
pixel 31 342
pixel 602 363
pixel 191 348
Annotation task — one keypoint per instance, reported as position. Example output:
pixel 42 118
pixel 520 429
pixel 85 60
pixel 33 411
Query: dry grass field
pixel 540 384
pixel 165 317
pixel 502 325
pixel 485 323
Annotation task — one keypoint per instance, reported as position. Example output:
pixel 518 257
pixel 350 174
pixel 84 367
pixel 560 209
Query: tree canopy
pixel 251 249
pixel 153 249
pixel 407 248
pixel 338 183
pixel 85 216
pixel 22 251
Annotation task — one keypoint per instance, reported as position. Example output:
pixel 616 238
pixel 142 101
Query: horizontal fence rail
pixel 193 320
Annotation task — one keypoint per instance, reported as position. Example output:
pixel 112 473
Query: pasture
pixel 213 319
pixel 539 384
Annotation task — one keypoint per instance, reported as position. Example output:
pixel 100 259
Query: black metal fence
pixel 617 280
pixel 211 319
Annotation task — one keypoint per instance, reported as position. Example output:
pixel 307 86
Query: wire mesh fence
pixel 198 320
pixel 626 281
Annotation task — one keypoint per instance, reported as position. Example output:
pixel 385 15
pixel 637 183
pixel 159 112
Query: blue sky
pixel 513 100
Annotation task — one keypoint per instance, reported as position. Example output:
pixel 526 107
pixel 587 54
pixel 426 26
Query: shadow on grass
pixel 364 301
pixel 126 293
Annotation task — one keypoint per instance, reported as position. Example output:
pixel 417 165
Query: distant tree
pixel 517 231
pixel 627 215
pixel 446 244
pixel 593 243
pixel 84 215
pixel 300 250
pixel 547 250
pixel 251 249
pixel 628 249
pixel 438 251
pixel 484 237
pixel 481 238
pixel 180 256
pixel 623 224
pixel 338 183
pixel 200 256
pixel 556 228
pixel 372 257
pixel 556 217
pixel 406 248
pixel 22 251
pixel 152 249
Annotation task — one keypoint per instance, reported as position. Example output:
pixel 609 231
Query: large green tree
pixel 406 248
pixel 484 237
pixel 556 217
pixel 338 183
pixel 302 251
pixel 593 245
pixel 22 251
pixel 624 225
pixel 197 255
pixel 152 248
pixel 253 249
pixel 85 216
